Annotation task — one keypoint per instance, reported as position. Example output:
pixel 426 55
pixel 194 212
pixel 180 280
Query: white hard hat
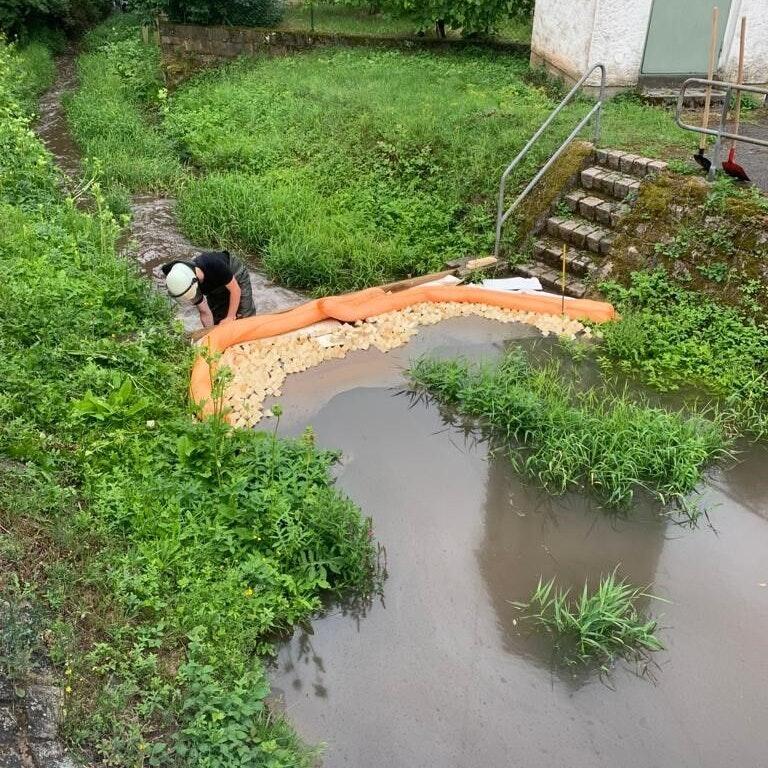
pixel 181 283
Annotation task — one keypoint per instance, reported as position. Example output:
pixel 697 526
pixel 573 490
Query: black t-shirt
pixel 216 270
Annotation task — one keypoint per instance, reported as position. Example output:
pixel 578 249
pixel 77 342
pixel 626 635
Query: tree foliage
pixel 17 17
pixel 471 16
pixel 255 13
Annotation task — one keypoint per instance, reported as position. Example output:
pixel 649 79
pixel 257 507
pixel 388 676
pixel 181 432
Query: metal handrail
pixel 720 133
pixel 501 214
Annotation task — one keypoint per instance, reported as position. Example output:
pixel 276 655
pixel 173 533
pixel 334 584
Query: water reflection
pixel 530 535
pixel 441 676
pixel 745 481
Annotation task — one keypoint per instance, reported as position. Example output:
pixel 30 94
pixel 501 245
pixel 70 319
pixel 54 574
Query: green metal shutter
pixel 678 36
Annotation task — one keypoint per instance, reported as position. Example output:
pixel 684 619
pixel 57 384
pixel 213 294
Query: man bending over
pixel 216 282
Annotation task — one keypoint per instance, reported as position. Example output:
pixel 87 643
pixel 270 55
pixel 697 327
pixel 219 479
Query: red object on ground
pixel 732 168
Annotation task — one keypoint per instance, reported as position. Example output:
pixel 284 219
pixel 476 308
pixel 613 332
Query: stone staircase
pixel 584 219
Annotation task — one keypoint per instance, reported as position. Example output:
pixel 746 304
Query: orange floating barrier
pixel 368 303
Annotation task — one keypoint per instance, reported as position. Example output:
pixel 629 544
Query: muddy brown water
pixel 51 123
pixel 153 236
pixel 154 239
pixel 439 673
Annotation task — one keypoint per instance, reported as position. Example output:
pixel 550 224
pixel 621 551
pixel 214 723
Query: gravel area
pixel 259 368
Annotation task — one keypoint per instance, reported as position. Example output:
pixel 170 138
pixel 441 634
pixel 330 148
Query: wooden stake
pixel 565 254
pixel 739 78
pixel 710 73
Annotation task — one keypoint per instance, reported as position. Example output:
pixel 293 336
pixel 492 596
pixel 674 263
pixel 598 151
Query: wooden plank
pixel 485 261
pixel 401 285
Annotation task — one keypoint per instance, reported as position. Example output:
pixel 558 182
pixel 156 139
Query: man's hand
pixel 226 320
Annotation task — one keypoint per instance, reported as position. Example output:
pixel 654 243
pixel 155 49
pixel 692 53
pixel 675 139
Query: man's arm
pixel 206 317
pixel 234 300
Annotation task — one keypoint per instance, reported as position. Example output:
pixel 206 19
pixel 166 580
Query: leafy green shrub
pixel 601 626
pixel 19 17
pixel 26 175
pixel 468 15
pixel 249 13
pixel 568 439
pixel 33 72
pixel 226 725
pixel 234 534
pixel 174 550
pixel 673 337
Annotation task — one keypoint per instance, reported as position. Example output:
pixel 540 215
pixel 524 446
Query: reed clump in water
pixel 598 626
pixel 569 439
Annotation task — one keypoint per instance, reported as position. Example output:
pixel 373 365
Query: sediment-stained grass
pixel 569 439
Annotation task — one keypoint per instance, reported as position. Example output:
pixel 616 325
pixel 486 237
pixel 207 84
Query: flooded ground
pixel 439 673
pixel 153 237
pixel 51 123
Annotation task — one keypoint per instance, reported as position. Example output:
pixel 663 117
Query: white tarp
pixel 512 284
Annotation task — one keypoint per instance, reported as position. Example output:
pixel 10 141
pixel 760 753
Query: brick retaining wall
pixel 188 47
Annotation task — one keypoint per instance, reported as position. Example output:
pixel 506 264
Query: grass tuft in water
pixel 600 626
pixel 569 439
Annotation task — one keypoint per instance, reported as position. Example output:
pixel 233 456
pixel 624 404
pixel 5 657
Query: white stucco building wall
pixel 756 49
pixel 618 39
pixel 569 36
pixel 562 40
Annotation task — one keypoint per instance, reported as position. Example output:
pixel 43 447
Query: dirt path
pixel 153 236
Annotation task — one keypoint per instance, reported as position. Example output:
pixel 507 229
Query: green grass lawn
pixel 349 167
pixel 114 113
pixel 359 21
pixel 339 168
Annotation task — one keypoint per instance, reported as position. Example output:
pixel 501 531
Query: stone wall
pixel 188 47
pixel 29 725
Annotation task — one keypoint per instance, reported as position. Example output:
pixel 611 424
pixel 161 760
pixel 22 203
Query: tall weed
pixel 569 439
pixel 113 114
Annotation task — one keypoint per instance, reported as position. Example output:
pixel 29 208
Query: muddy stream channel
pixel 438 673
pixel 153 237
